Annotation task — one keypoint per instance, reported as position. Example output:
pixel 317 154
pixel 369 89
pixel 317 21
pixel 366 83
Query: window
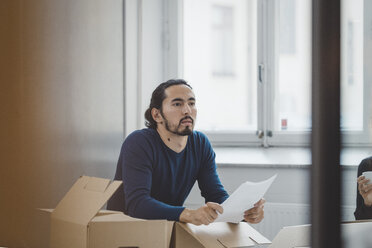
pixel 220 62
pixel 352 65
pixel 292 81
pixel 222 41
pixel 356 54
pixel 249 62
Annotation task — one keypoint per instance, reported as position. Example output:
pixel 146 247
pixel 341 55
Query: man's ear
pixel 155 113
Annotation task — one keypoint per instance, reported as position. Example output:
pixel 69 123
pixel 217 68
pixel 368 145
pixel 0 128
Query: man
pixel 160 164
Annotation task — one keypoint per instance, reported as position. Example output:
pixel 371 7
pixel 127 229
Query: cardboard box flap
pixel 221 234
pixel 85 198
pixel 232 242
pixel 254 234
pixel 98 185
pixel 114 217
pixel 292 236
pixel 243 235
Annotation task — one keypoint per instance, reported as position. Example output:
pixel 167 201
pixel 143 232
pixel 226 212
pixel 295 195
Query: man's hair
pixel 157 99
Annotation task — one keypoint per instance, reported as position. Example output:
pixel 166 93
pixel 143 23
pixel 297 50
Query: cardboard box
pixel 219 234
pixel 292 237
pixel 353 234
pixel 77 222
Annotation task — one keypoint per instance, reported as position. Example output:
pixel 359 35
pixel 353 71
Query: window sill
pixel 284 157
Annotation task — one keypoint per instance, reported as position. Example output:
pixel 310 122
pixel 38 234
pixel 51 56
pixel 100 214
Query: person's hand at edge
pixel 364 190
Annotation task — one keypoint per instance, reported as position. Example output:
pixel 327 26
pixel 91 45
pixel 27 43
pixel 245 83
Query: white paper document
pixel 243 199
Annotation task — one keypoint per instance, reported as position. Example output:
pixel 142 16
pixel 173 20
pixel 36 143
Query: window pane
pixel 220 62
pixel 352 65
pixel 292 103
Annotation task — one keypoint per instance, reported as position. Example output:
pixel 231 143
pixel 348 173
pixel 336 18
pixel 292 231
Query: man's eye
pixel 177 104
pixel 192 104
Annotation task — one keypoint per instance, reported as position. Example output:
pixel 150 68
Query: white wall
pixel 61 105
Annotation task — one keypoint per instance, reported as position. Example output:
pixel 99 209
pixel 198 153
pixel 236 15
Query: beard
pixel 176 129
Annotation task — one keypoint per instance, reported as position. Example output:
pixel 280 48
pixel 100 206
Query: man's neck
pixel 175 142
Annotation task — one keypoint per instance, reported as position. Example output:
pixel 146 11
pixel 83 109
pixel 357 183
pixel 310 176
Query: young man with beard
pixel 160 164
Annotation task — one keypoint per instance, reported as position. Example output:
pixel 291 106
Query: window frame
pixel 172 37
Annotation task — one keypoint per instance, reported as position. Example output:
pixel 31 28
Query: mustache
pixel 187 117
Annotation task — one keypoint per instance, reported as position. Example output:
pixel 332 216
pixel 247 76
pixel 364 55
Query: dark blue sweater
pixel 157 180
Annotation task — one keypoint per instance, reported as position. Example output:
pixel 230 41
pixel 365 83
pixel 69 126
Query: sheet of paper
pixel 243 199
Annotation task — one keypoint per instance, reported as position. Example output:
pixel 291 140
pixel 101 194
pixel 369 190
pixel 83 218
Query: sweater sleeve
pixel 209 183
pixel 137 163
pixel 362 211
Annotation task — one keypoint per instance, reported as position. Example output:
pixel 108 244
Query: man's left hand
pixel 255 214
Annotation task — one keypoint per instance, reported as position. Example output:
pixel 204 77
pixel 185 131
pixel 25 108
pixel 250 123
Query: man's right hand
pixel 203 215
pixel 365 190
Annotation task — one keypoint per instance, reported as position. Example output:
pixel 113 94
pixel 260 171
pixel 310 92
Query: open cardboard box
pixel 78 222
pixel 219 234
pixel 292 237
pixel 353 233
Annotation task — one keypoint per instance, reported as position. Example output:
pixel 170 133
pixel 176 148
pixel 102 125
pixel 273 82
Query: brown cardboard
pixel 119 230
pixel 77 222
pixel 219 234
pixel 70 218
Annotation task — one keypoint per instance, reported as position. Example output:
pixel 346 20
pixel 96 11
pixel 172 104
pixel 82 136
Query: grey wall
pixel 61 105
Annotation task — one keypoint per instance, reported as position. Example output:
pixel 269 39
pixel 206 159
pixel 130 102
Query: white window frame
pixel 266 32
pixel 364 138
pixel 268 24
pixel 171 59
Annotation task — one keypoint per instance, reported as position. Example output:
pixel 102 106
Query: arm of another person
pixel 364 192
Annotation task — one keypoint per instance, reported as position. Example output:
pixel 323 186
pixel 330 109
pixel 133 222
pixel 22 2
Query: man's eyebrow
pixel 181 100
pixel 177 100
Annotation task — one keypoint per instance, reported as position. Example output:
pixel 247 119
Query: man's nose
pixel 186 109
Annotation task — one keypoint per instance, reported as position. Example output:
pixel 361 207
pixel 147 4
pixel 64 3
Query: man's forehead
pixel 179 91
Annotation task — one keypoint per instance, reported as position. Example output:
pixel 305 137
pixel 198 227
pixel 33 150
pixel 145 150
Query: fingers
pixel 257 207
pixel 260 203
pixel 360 178
pixel 208 218
pixel 215 206
pixel 211 209
pixel 207 213
pixel 212 213
pixel 254 216
pixel 366 188
pixel 362 181
pixel 254 211
pixel 363 185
